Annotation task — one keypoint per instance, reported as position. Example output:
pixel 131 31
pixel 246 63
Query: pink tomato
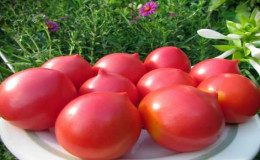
pixel 182 118
pixel 167 57
pixel 214 66
pixel 110 82
pixel 33 98
pixel 163 77
pixel 100 125
pixel 75 67
pixel 127 65
pixel 238 96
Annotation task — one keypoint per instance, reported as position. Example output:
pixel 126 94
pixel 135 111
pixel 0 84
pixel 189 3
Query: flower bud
pixel 255 52
pixel 257 16
pixel 211 34
pixel 226 54
pixel 233 36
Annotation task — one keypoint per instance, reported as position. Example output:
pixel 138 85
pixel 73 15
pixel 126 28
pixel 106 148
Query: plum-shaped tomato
pixel 127 65
pixel 238 96
pixel 99 125
pixel 182 118
pixel 110 82
pixel 214 66
pixel 75 67
pixel 163 77
pixel 33 98
pixel 167 57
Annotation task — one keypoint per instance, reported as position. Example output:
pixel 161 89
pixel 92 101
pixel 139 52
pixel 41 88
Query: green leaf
pixel 253 14
pixel 237 55
pixel 224 47
pixel 236 43
pixel 233 27
pixel 214 4
pixel 242 10
pixel 5 71
pixel 244 20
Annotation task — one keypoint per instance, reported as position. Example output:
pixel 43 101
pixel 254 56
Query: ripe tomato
pixel 182 118
pixel 153 80
pixel 33 98
pixel 100 125
pixel 238 96
pixel 75 67
pixel 111 83
pixel 127 65
pixel 167 57
pixel 214 66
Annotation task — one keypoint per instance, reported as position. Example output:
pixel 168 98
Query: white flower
pixel 255 52
pixel 226 54
pixel 6 61
pixel 257 34
pixel 233 36
pixel 211 34
pixel 257 16
pixel 256 42
pixel 255 65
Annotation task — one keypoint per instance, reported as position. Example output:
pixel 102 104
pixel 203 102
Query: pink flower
pixel 148 8
pixel 132 12
pixel 52 26
pixel 172 14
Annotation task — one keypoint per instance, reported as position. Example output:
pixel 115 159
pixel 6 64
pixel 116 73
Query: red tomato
pixel 100 125
pixel 33 98
pixel 110 82
pixel 182 118
pixel 163 77
pixel 127 65
pixel 167 57
pixel 214 66
pixel 75 67
pixel 238 96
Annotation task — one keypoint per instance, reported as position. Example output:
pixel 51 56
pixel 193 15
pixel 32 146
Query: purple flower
pixel 148 8
pixel 172 14
pixel 132 12
pixel 52 26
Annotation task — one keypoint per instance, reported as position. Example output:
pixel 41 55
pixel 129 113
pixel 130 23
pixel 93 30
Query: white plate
pixel 238 142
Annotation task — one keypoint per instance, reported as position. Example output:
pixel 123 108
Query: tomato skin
pixel 214 66
pixel 182 118
pixel 33 98
pixel 99 125
pixel 167 57
pixel 111 83
pixel 238 96
pixel 127 65
pixel 74 66
pixel 154 80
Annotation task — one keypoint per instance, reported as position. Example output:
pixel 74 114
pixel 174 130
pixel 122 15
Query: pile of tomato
pixel 98 111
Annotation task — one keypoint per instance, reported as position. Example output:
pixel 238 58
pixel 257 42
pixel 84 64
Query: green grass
pixel 94 28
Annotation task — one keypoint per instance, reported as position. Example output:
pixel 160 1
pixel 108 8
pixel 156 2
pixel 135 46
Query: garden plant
pixel 32 32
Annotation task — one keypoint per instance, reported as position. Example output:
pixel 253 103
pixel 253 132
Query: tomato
pixel 127 65
pixel 167 57
pixel 214 66
pixel 182 118
pixel 238 96
pixel 110 82
pixel 33 98
pixel 75 67
pixel 153 80
pixel 99 125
